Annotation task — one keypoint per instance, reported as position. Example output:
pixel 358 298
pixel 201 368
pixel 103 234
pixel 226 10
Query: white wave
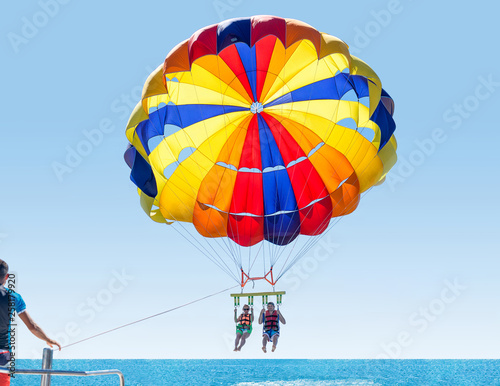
pixel 308 382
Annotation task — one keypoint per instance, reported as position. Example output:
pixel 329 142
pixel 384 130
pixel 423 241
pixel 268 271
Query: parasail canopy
pixel 258 130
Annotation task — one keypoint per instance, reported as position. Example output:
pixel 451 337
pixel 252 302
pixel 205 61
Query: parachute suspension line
pixel 250 262
pixel 209 244
pixel 306 248
pixel 264 258
pixel 302 251
pixel 309 244
pixel 245 277
pixel 213 257
pixel 272 262
pixel 196 244
pixel 249 256
pixel 255 258
pixel 272 253
pixel 289 254
pixel 218 241
pixel 149 317
pixel 263 248
pixel 200 248
pixel 248 266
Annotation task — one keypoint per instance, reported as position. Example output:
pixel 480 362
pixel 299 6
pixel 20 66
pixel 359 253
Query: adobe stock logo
pixel 453 118
pixel 224 8
pixel 422 319
pixel 379 20
pixel 91 308
pixel 31 26
pixel 311 263
pixel 120 109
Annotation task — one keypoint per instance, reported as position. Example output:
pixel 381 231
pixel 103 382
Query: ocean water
pixel 296 372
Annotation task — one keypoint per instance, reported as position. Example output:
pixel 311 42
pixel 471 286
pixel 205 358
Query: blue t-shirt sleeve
pixel 20 305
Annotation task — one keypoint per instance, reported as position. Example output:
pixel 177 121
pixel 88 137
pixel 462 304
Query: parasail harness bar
pixel 265 295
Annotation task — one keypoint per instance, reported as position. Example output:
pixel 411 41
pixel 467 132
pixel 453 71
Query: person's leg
pixel 265 338
pixel 243 340
pixel 237 341
pixel 4 360
pixel 4 379
pixel 275 341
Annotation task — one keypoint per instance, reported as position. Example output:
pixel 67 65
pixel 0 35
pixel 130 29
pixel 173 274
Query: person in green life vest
pixel 271 319
pixel 243 327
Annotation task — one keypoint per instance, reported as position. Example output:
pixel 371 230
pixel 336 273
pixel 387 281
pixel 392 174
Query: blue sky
pixel 411 274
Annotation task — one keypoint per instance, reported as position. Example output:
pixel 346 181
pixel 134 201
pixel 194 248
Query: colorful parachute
pixel 259 129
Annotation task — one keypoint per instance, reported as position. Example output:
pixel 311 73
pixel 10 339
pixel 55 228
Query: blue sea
pixel 297 372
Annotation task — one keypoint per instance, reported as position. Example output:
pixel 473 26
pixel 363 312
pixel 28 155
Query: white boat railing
pixel 46 372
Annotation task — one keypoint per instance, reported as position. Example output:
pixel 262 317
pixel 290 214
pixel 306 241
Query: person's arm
pixel 36 329
pixel 282 318
pixel 261 316
pixel 235 315
pixel 251 315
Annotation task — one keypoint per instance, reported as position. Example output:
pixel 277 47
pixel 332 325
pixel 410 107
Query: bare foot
pixel 235 349
pixel 264 349
pixel 274 348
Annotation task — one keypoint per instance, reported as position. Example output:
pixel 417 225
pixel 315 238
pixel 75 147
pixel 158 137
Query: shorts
pixel 4 358
pixel 240 330
pixel 270 334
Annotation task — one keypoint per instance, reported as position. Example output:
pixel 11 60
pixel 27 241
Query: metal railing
pixel 46 372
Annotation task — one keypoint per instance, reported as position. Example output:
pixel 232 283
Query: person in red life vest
pixel 244 327
pixel 271 319
pixel 11 302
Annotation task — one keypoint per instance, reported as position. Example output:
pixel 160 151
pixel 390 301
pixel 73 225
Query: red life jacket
pixel 271 321
pixel 245 320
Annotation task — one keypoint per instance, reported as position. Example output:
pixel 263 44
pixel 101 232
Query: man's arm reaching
pixel 282 318
pixel 37 330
